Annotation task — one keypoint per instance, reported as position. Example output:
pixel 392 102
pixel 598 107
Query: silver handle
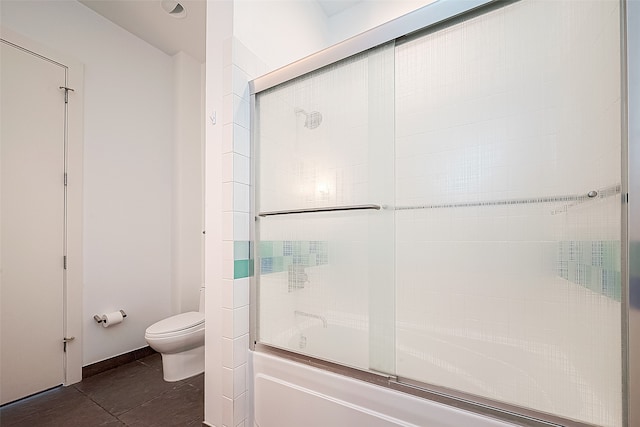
pixel 66 340
pixel 327 209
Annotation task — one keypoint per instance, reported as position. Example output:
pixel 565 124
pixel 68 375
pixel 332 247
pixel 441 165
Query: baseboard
pixel 114 362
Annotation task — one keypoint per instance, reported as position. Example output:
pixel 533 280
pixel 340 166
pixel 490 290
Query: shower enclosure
pixel 444 211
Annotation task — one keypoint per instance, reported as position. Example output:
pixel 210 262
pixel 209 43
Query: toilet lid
pixel 176 323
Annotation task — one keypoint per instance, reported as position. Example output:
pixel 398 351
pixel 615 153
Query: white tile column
pixel 227 255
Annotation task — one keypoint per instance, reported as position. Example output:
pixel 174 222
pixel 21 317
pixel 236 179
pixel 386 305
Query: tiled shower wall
pixel 240 66
pixel 346 160
pixel 328 165
pixel 498 114
pixel 594 264
pixel 277 256
pixel 496 293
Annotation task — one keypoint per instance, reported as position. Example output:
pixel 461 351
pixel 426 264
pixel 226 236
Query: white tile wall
pixel 227 167
pixel 227 411
pixel 241 201
pixel 228 138
pixel 227 228
pixel 241 226
pixel 239 66
pixel 228 196
pixel 227 267
pixel 491 109
pixel 339 163
pixel 228 109
pixel 304 167
pixel 241 140
pixel 241 168
pixel 228 300
pixel 227 360
pixel 496 109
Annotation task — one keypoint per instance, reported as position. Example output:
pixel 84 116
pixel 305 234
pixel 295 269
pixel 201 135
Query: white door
pixel 32 140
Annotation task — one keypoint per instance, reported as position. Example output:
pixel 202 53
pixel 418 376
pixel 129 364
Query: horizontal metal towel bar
pixel 602 193
pixel 327 209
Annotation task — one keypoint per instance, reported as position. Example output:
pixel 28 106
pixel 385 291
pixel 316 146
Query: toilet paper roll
pixel 110 319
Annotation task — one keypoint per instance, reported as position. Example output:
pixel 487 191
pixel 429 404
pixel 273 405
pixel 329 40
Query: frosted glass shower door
pixel 508 158
pixel 325 173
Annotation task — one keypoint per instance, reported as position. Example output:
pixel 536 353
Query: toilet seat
pixel 180 324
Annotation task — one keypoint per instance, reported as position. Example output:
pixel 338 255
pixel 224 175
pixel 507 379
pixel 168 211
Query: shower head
pixel 312 120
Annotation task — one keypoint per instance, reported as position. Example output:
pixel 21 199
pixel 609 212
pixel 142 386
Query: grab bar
pixel 327 209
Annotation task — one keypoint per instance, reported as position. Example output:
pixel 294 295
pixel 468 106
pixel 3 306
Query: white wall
pixel 187 183
pixel 367 15
pixel 219 32
pixel 128 146
pixel 280 32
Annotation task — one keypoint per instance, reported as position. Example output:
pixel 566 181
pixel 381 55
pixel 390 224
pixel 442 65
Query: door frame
pixel 72 285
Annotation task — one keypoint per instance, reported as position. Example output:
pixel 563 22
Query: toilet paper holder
pixel 99 319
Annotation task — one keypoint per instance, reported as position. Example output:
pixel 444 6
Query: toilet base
pixel 178 366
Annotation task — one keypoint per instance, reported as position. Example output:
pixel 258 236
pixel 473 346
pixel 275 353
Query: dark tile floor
pixel 130 395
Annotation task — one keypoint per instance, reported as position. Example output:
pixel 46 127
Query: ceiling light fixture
pixel 173 8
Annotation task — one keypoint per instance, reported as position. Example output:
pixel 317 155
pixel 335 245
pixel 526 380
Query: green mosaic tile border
pixel 242 260
pixel 592 264
pixel 277 255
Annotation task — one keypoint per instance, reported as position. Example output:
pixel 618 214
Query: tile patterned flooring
pixel 132 395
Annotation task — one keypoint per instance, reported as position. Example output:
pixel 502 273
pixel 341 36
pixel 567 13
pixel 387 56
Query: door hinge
pixel 66 93
pixel 65 340
pixel 66 179
pixel 64 262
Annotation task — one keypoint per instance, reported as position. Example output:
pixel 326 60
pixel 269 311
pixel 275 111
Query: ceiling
pixel 149 21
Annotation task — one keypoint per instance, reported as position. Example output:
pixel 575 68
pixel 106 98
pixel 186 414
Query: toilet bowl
pixel 180 341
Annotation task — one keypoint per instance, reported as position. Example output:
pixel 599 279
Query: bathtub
pixel 290 394
pixel 334 343
pixel 318 397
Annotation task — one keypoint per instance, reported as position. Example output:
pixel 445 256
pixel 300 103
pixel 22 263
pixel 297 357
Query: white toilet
pixel 180 341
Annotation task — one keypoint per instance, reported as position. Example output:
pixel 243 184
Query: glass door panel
pixel 508 215
pixel 325 233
